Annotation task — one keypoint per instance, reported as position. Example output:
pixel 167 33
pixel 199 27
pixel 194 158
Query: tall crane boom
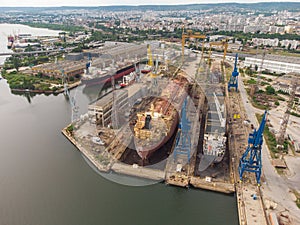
pixel 233 82
pixel 150 60
pixel 251 159
pixel 286 116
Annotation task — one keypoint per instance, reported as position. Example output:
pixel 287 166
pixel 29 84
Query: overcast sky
pixel 31 3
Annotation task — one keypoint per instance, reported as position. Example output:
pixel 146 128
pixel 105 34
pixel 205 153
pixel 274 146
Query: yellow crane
pixel 190 34
pixel 150 60
pixel 223 43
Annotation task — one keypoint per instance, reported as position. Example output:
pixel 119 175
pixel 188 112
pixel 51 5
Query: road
pixel 275 188
pixel 35 52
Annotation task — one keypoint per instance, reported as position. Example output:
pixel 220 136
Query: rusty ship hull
pixel 163 112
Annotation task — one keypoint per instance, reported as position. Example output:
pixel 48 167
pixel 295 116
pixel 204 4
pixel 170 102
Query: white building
pixel 261 41
pixel 294 43
pixel 277 64
pixel 101 110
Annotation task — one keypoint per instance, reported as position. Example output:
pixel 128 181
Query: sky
pixel 37 3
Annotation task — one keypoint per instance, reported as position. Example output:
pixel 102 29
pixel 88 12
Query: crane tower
pixel 286 116
pixel 251 159
pixel 233 82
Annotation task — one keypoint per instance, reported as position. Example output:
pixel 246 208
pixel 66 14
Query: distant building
pixel 70 68
pixel 277 64
pixel 262 41
pixel 74 56
pixel 293 44
pixel 256 28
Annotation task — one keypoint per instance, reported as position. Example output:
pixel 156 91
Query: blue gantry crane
pixel 183 138
pixel 233 82
pixel 251 159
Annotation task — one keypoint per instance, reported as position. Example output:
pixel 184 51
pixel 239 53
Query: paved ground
pixel 275 188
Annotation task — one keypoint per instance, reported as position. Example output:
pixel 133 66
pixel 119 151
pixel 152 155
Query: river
pixel 45 180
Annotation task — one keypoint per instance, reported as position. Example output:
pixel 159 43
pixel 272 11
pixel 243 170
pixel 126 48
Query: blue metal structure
pixel 251 159
pixel 89 63
pixel 233 82
pixel 183 138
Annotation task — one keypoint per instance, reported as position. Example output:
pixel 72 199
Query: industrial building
pixel 277 64
pixel 101 110
pixel 70 68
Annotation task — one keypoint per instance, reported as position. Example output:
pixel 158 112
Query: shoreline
pixel 148 173
pixel 71 86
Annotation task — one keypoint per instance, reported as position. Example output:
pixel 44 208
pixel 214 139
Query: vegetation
pixel 70 128
pixel 277 103
pixel 270 90
pixel 282 92
pixel 263 83
pixel 298 202
pixel 64 27
pixel 15 62
pixel 257 104
pixel 21 81
pixel 295 114
pixel 251 81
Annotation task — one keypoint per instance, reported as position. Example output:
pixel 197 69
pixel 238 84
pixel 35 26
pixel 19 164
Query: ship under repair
pixel 214 143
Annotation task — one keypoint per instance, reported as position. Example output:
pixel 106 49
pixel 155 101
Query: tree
pixel 270 90
pixel 16 62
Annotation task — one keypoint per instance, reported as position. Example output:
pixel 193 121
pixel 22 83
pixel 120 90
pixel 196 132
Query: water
pixel 14 29
pixel 45 180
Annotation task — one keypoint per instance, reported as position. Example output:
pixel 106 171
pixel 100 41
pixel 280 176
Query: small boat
pixel 128 79
pixel 146 69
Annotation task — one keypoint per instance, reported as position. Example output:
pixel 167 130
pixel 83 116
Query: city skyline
pixel 38 3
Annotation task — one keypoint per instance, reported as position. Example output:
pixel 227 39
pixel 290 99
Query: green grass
pixel 251 81
pixel 294 114
pixel 17 80
pixel 256 104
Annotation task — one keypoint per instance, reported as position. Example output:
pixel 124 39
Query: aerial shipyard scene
pixel 150 112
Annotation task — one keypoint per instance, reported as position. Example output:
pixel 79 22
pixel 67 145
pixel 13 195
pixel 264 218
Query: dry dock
pixel 222 177
pixel 110 157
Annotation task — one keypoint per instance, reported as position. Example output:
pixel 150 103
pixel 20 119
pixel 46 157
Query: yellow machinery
pixel 150 61
pixel 190 34
pixel 223 43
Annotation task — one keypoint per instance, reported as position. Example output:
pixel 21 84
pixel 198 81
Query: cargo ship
pixel 214 142
pixel 157 119
pixel 101 76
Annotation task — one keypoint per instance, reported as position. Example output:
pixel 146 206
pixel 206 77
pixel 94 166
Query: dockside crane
pixel 251 159
pixel 190 34
pixel 233 82
pixel 223 43
pixel 75 108
pixel 183 138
